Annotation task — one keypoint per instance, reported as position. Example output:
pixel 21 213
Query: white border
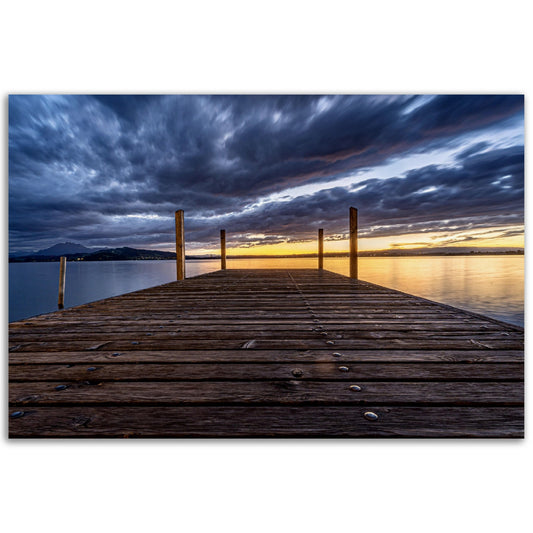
pixel 217 47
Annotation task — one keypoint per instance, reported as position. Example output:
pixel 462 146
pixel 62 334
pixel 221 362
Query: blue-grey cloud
pixel 485 190
pixel 78 165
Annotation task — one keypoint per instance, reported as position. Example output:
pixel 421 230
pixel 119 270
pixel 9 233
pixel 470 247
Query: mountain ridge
pixel 64 248
pixel 126 253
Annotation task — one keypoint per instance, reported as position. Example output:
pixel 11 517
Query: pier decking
pixel 265 353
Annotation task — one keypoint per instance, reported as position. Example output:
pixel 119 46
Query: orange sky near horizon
pixel 480 238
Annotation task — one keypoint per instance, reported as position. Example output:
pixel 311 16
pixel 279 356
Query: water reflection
pixel 490 285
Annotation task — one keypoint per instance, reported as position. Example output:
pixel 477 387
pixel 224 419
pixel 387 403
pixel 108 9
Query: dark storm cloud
pixel 79 164
pixel 126 107
pixel 486 190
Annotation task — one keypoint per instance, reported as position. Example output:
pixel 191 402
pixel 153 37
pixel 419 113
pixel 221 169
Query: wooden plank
pixel 266 392
pixel 368 313
pixel 273 326
pixel 160 338
pixel 265 371
pixel 146 343
pixel 36 324
pixel 272 421
pixel 263 356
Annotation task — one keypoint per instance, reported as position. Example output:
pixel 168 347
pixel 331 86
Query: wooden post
pixel 353 243
pixel 62 270
pixel 320 249
pixel 180 246
pixel 223 249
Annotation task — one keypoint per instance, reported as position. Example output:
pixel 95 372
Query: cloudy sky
pixel 111 170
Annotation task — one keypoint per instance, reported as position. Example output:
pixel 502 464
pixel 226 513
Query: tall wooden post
pixel 180 246
pixel 223 249
pixel 320 249
pixel 353 243
pixel 62 270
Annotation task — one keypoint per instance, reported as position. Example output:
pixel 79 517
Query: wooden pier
pixel 265 353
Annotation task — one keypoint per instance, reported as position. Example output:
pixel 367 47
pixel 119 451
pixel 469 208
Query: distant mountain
pixel 66 248
pixel 87 254
pixel 127 254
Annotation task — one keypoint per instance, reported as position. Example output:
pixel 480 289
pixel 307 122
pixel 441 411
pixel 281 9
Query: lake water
pixel 490 285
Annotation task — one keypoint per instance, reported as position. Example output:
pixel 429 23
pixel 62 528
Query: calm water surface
pixel 490 285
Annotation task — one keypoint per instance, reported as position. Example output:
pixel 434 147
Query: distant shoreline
pixel 157 257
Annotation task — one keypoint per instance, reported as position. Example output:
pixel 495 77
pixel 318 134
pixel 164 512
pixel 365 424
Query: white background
pixel 279 46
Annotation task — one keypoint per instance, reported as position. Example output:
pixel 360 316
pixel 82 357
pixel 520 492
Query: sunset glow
pixel 487 238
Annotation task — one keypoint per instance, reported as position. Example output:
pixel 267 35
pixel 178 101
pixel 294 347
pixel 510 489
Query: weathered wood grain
pixel 165 339
pixel 272 421
pixel 103 355
pixel 145 343
pixel 266 392
pixel 303 370
pixel 216 322
pixel 265 353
